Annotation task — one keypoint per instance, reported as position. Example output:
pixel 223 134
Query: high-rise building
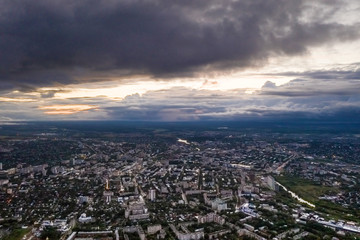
pixel 152 194
pixel 107 184
pixel 108 196
pixel 271 183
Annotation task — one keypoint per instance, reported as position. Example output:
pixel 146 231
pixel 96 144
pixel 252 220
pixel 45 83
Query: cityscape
pixel 169 181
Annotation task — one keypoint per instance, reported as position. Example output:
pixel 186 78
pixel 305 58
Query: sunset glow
pixel 66 109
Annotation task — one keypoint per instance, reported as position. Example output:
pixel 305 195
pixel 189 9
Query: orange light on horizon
pixel 8 99
pixel 66 109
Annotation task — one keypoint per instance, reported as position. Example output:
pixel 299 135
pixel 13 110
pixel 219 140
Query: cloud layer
pixel 61 42
pixel 52 52
pixel 304 98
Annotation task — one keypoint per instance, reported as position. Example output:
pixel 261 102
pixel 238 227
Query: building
pixel 136 211
pixel 135 229
pixel 152 195
pixel 11 171
pixel 108 195
pixel 4 181
pixel 211 217
pixel 151 229
pixel 84 219
pixel 85 199
pixel 187 235
pixel 271 183
pixel 59 224
pixel 218 205
pixel 141 233
pixel 54 170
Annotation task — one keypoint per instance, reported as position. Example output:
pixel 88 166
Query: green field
pixel 16 234
pixel 311 192
pixel 306 189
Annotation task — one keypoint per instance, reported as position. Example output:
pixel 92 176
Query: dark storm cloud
pixel 338 74
pixel 59 42
pixel 340 114
pixel 162 113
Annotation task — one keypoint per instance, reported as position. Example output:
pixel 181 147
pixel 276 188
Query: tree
pixel 50 233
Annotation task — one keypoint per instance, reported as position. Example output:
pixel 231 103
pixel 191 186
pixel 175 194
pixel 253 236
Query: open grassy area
pixel 311 192
pixel 306 189
pixel 17 234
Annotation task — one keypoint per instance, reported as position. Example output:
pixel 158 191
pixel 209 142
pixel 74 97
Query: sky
pixel 179 60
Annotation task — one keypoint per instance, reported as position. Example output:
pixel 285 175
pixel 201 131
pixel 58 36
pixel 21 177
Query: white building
pixel 108 195
pixel 218 205
pixel 84 219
